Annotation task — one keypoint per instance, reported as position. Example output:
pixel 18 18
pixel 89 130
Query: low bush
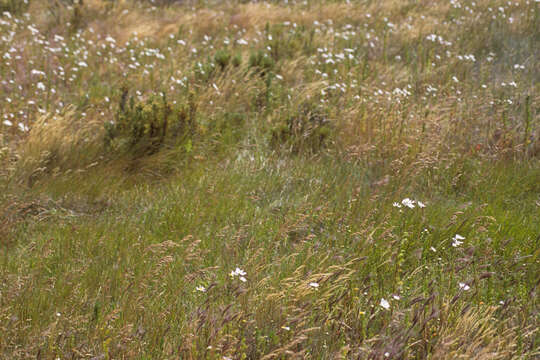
pixel 261 62
pixel 14 6
pixel 224 58
pixel 143 127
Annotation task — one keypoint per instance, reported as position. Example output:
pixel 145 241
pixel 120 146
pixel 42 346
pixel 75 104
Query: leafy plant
pixel 143 127
pixel 204 70
pixel 261 61
pixel 14 6
pixel 221 60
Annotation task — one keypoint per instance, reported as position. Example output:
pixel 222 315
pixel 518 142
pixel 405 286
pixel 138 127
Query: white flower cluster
pixel 409 203
pixel 456 240
pixel 240 273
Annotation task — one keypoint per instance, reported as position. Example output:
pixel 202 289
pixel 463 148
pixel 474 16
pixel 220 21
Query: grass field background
pixel 271 179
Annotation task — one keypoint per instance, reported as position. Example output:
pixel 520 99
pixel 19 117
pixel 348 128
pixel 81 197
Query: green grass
pixel 286 223
pixel 122 228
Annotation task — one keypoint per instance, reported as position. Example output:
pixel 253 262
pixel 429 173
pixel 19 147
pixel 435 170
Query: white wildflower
pixel 464 286
pixel 23 127
pixel 456 240
pixel 408 203
pixel 37 72
pixel 238 272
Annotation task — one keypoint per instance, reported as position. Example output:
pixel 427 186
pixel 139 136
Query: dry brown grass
pixel 475 334
pixel 251 17
pixel 59 143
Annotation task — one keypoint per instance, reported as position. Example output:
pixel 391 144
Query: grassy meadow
pixel 269 179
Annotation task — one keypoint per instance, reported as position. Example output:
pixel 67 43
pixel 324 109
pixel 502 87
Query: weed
pixel 223 58
pixel 261 62
pixel 14 6
pixel 143 127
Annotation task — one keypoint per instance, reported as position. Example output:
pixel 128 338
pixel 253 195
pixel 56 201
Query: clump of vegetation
pixel 284 43
pixel 306 130
pixel 261 62
pixel 224 58
pixel 204 70
pixel 144 127
pixel 14 6
pixel 57 144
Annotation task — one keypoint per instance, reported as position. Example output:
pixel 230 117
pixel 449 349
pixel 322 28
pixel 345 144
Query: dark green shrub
pixel 261 61
pixel 144 127
pixel 222 58
pixel 76 18
pixel 205 70
pixel 308 130
pixel 236 60
pixel 14 6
